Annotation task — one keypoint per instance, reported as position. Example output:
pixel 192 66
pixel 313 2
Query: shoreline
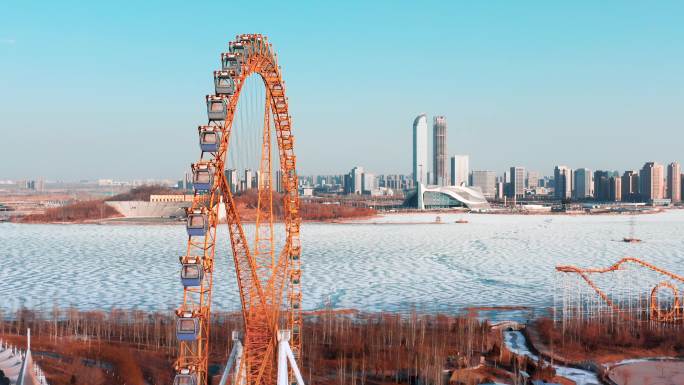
pixel 362 220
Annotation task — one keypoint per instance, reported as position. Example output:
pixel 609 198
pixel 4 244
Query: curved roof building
pixel 441 197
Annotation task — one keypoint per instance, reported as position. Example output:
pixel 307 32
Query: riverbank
pixel 374 348
pixel 630 354
pixel 76 209
pixel 107 348
pixel 99 211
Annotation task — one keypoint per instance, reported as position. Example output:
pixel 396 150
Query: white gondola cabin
pixel 224 83
pixel 237 47
pixel 185 377
pixel 197 223
pixel 217 107
pixel 187 327
pixel 202 177
pixel 231 63
pixel 192 271
pixel 209 138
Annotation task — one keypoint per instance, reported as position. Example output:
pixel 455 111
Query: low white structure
pixel 439 197
pixel 19 367
pixel 145 209
pixel 286 362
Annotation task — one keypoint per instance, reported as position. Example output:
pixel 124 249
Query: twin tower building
pixel 421 169
pixel 439 189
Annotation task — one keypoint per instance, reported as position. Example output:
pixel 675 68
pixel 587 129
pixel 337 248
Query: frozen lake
pixel 493 260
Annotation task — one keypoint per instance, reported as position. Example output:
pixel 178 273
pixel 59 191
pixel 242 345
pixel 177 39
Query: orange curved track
pixel 665 315
pixel 656 313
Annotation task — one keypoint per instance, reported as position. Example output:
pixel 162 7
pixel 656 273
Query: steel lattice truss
pixel 266 277
pixel 631 289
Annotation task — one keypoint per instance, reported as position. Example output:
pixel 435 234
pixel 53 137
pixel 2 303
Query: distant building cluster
pixel 240 181
pixel 357 182
pixel 99 186
pixel 653 183
pixel 445 174
pixel 37 185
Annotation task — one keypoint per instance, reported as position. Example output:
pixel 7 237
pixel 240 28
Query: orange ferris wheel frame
pixel 264 277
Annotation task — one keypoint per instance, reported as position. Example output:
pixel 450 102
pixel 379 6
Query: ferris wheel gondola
pixel 185 378
pixel 192 271
pixel 187 327
pixel 197 223
pixel 209 138
pixel 202 176
pixel 224 83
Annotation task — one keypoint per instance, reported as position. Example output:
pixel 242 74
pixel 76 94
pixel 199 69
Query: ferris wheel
pixel 266 254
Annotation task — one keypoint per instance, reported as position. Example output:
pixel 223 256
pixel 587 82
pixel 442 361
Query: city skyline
pixel 510 96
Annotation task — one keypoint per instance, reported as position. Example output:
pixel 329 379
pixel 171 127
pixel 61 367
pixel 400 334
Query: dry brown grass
pixel 338 348
pixel 76 212
pixel 142 193
pixel 247 202
pixel 611 341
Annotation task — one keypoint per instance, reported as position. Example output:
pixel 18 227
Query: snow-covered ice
pixel 493 260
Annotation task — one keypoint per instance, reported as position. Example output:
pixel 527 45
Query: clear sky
pixel 115 89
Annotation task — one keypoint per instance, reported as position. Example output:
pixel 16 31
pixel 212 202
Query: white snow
pixel 493 260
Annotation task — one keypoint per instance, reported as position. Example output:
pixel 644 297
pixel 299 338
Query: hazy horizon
pixel 116 90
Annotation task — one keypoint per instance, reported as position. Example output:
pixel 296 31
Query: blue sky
pixel 116 89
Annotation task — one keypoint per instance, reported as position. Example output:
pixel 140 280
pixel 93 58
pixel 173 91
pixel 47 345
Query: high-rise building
pixel 500 190
pixel 368 183
pixel 393 182
pixel 486 181
pixel 249 177
pixel 506 180
pixel 602 185
pixel 674 182
pixel 232 179
pixel 584 183
pixel 630 186
pixel 459 170
pixel 256 180
pixel 40 185
pixel 420 149
pixel 348 186
pixel 533 179
pixel 562 176
pixel 187 181
pixel 615 190
pixel 651 178
pixel 439 151
pixel 517 188
pixel 356 180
